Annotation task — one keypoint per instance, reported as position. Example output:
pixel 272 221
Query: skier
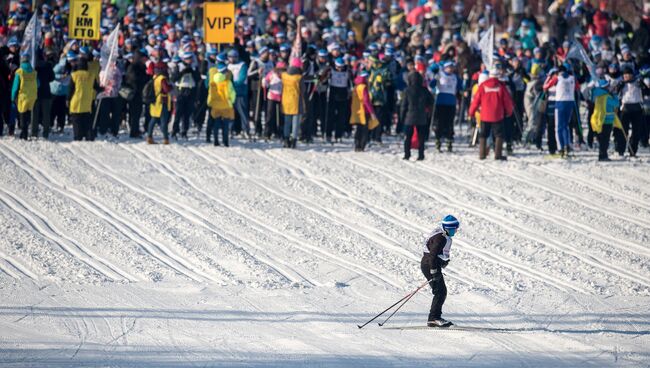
pixel 435 258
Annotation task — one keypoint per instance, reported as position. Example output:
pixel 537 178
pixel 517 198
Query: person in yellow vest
pixel 160 110
pixel 221 99
pixel 24 93
pixel 292 104
pixel 83 87
pixel 362 114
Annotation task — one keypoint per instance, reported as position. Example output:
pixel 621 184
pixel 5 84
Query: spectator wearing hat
pixel 221 100
pixel 60 87
pixel 338 95
pixel 292 102
pixel 630 91
pixel 43 105
pixel 24 93
pixel 160 109
pixel 416 99
pixel 259 67
pixel 5 91
pixel 186 81
pixel 495 104
pixel 239 72
pixel 604 117
pixel 362 115
pixel 272 83
pixel 83 86
pixel 136 78
pixel 447 86
pixel 379 81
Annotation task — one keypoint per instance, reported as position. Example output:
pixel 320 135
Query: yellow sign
pixel 219 22
pixel 85 16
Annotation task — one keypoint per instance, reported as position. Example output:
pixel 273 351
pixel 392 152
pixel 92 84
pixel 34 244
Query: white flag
pixel 486 45
pixel 578 52
pixel 32 38
pixel 108 59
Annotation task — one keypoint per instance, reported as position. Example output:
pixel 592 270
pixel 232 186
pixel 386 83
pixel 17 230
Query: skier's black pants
pixel 24 118
pixel 184 107
pixel 422 129
pixel 82 126
pixel 438 287
pixel 444 124
pixel 335 118
pixel 603 140
pixel 273 119
pixel 59 112
pixel 631 116
pixel 135 111
pixel 361 136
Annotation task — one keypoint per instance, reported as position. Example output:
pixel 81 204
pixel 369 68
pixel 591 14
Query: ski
pixel 457 328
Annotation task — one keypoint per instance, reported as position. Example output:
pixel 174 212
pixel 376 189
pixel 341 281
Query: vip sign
pixel 85 16
pixel 219 22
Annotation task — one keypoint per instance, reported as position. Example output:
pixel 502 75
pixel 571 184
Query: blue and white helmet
pixel 450 224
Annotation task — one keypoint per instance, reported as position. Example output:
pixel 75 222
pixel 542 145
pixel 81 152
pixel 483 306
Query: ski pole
pixel 391 307
pixel 405 301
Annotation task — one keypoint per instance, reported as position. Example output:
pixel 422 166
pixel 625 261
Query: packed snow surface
pixel 190 255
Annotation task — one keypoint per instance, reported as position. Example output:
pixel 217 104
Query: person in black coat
pixel 413 113
pixel 136 77
pixel 43 106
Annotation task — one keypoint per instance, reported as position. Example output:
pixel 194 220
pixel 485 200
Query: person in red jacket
pixel 602 20
pixel 495 103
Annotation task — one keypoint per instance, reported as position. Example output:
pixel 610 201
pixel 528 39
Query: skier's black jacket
pixel 435 245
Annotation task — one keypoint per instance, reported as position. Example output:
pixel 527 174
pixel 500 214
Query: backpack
pixel 148 94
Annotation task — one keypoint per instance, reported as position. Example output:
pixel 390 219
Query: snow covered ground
pixel 190 255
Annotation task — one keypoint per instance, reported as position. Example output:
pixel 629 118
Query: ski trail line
pixel 522 231
pixel 558 220
pixel 39 224
pixel 522 269
pixel 595 186
pixel 578 199
pixel 148 244
pixel 10 268
pixel 331 188
pixel 189 213
pixel 486 256
pixel 182 179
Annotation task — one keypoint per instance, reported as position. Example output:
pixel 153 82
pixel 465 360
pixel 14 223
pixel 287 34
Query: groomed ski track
pixel 188 255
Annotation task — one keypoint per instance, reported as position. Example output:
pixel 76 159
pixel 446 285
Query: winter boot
pixel 438 145
pixel 439 322
pixel 449 146
pixel 498 149
pixel 150 140
pixel 509 149
pixel 482 148
pixel 165 141
pixel 294 141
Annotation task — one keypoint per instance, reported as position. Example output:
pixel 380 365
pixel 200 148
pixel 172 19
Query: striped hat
pixel 449 222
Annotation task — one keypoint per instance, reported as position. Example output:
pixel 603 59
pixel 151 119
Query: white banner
pixel 486 45
pixel 107 61
pixel 578 52
pixel 32 38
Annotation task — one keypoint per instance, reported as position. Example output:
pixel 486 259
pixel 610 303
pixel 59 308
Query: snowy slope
pixel 191 255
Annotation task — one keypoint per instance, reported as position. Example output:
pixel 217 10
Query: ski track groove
pixel 390 218
pixel 593 185
pixel 326 214
pixel 178 177
pixel 610 268
pixel 282 268
pixel 148 244
pixel 525 270
pixel 39 224
pixel 575 198
pixel 558 220
pixel 486 256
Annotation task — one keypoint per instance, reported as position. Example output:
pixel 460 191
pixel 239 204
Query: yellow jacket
pixel 221 96
pixel 156 108
pixel 601 116
pixel 84 92
pixel 291 93
pixel 28 91
pixel 358 112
